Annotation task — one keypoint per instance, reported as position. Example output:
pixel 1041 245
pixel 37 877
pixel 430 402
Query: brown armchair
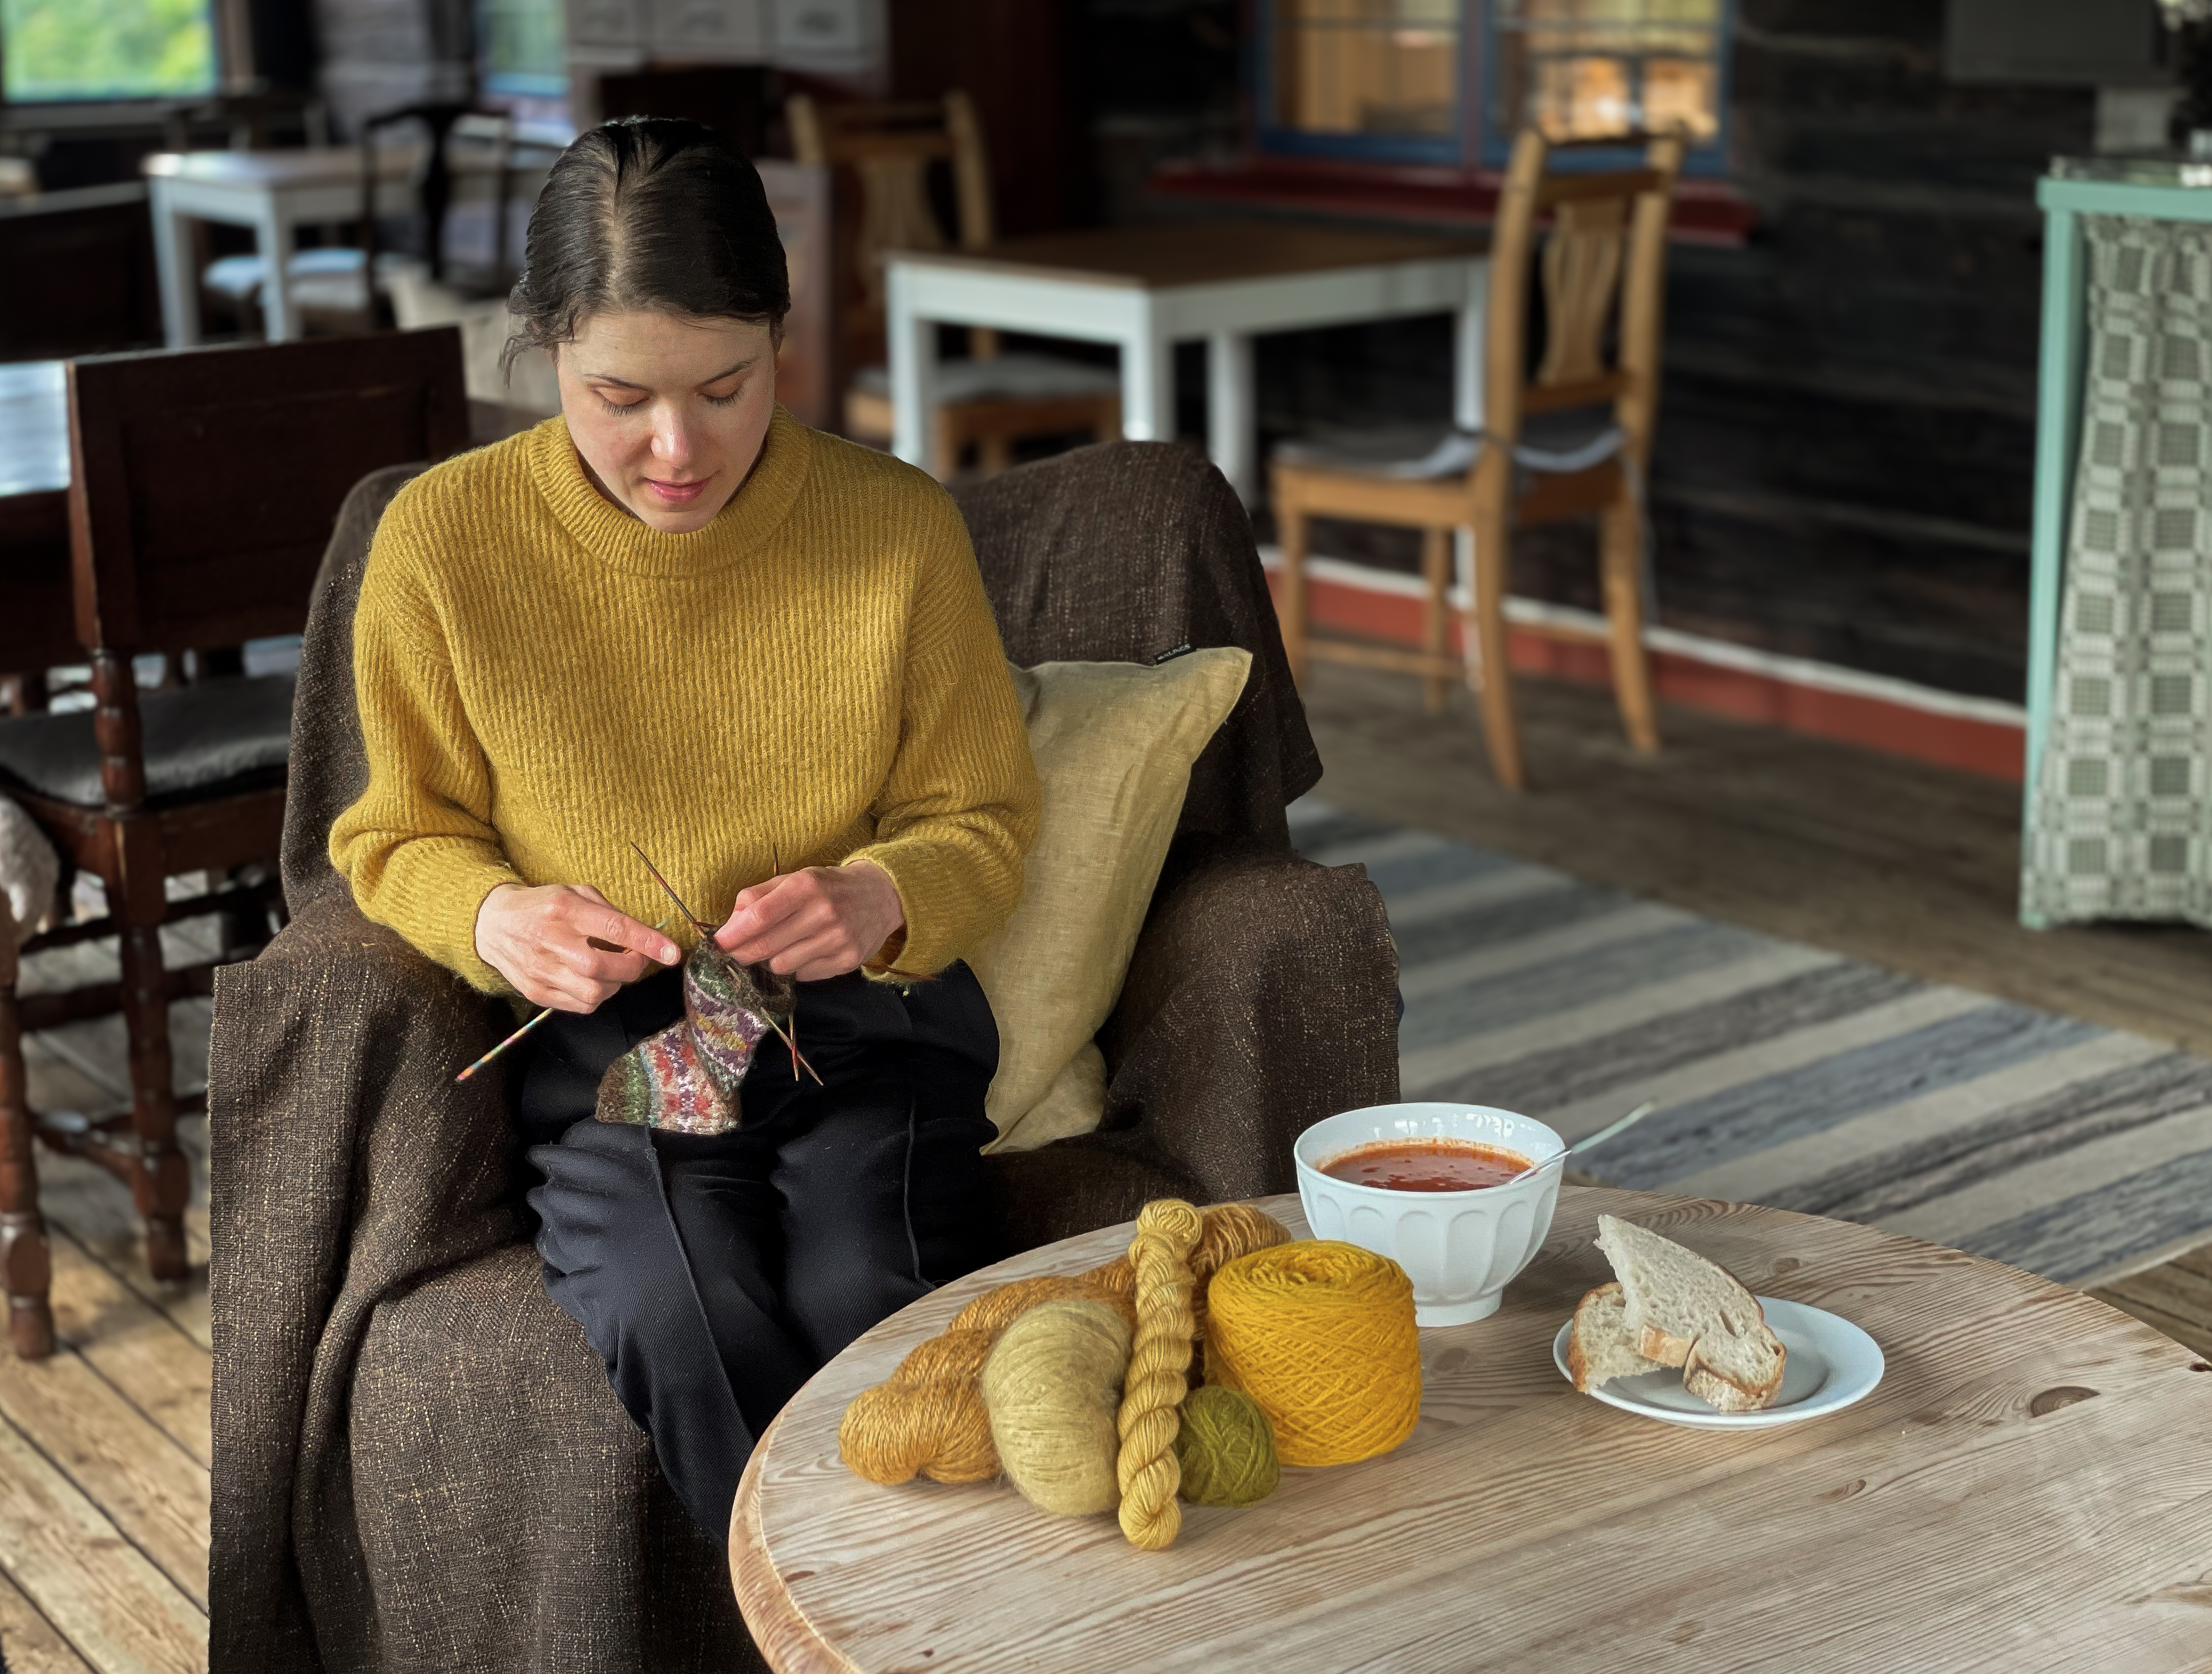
pixel 418 1461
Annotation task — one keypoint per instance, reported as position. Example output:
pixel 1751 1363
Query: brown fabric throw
pixel 418 1462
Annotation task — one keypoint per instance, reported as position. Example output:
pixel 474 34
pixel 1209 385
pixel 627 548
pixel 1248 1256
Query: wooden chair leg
pixel 1488 624
pixel 1436 612
pixel 25 1267
pixel 994 454
pixel 1621 546
pixel 159 1181
pixel 1290 602
pixel 949 437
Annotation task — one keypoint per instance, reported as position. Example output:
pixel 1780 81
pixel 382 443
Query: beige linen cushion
pixel 1114 742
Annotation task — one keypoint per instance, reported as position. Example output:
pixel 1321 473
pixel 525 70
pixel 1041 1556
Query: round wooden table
pixel 2029 1488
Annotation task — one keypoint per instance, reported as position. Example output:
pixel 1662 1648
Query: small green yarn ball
pixel 1225 1448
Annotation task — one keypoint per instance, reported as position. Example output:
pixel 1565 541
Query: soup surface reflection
pixel 1427 1165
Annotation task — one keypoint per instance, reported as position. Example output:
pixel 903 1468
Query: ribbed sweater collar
pixel 620 541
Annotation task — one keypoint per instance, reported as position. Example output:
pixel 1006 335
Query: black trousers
pixel 715 1274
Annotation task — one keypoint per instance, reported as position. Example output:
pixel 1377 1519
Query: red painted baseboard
pixel 1874 720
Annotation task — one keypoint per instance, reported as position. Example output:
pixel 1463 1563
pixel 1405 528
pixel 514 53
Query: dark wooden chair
pixel 77 273
pixel 204 487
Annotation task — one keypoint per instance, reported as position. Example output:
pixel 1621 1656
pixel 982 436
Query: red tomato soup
pixel 1427 1165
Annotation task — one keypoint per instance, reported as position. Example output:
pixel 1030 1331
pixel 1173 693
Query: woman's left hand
pixel 823 922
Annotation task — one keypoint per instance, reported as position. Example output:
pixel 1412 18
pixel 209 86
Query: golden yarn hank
pixel 1051 1387
pixel 928 1417
pixel 1322 1336
pixel 1226 1448
pixel 1168 1230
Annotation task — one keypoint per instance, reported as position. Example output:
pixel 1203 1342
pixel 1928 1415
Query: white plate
pixel 1832 1363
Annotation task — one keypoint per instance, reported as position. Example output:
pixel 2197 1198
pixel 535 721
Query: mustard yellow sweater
pixel 813 678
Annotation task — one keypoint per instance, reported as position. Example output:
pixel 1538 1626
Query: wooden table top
pixel 2025 1490
pixel 1159 255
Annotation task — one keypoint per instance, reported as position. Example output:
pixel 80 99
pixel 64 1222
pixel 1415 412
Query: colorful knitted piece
pixel 686 1077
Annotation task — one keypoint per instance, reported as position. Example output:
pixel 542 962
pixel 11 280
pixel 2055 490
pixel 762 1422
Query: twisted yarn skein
pixel 1321 1334
pixel 1051 1387
pixel 1167 1229
pixel 927 1418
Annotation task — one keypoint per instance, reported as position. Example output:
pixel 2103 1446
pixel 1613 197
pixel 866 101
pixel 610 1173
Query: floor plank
pixel 29 1641
pixel 1886 860
pixel 154 1493
pixel 99 1591
pixel 143 1353
pixel 83 1199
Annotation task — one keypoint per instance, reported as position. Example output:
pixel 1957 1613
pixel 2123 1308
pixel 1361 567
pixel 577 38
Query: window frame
pixel 1472 144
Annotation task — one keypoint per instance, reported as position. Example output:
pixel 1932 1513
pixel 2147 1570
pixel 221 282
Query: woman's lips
pixel 677 493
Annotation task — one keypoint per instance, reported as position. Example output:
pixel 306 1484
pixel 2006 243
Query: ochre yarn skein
pixel 1321 1334
pixel 1168 1230
pixel 1051 1387
pixel 927 1417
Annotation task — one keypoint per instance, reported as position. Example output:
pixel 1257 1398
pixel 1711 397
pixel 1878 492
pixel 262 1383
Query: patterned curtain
pixel 2120 824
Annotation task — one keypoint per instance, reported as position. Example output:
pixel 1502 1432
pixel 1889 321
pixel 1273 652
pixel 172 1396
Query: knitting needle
pixel 503 1045
pixel 708 929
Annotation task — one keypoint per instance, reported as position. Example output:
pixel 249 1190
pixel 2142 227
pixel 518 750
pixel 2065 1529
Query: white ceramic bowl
pixel 1460 1248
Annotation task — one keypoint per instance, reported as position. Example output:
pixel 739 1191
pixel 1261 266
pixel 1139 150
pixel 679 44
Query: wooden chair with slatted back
pixel 1571 439
pixel 204 486
pixel 991 400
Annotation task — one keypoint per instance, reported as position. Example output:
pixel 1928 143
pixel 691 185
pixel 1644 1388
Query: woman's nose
pixel 671 439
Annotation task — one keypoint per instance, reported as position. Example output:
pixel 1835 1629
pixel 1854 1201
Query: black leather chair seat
pixel 199 741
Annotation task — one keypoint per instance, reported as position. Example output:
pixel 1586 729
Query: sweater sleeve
pixel 958 810
pixel 419 849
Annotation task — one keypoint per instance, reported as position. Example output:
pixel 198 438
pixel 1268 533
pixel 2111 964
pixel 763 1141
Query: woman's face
pixel 669 414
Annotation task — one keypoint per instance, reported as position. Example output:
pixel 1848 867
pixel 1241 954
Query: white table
pixel 274 193
pixel 1145 289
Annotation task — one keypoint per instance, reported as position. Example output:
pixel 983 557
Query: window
pixel 52 50
pixel 1451 81
pixel 1377 78
pixel 1584 69
pixel 523 46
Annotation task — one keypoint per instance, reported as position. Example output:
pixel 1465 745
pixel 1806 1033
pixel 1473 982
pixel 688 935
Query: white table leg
pixel 273 232
pixel 1231 424
pixel 1147 384
pixel 1468 326
pixel 173 261
pixel 913 345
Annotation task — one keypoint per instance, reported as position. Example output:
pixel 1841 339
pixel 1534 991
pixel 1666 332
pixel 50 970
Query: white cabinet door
pixel 727 30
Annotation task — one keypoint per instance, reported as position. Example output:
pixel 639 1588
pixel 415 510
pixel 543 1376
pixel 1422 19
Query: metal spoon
pixel 1589 1141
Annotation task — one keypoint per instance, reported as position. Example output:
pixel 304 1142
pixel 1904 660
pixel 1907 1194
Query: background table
pixel 2027 1490
pixel 274 192
pixel 1145 289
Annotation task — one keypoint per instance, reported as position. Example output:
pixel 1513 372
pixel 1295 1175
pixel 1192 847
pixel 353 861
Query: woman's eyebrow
pixel 749 361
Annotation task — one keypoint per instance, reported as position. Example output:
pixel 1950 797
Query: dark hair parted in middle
pixel 649 214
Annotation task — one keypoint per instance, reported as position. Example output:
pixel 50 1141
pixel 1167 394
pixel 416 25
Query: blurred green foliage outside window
pixel 105 49
pixel 523 47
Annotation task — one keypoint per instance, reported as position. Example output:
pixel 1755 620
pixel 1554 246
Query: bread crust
pixel 1664 1346
pixel 1716 1389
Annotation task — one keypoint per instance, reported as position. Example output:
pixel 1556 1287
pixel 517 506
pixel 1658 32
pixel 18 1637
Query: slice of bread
pixel 1600 1347
pixel 1685 1311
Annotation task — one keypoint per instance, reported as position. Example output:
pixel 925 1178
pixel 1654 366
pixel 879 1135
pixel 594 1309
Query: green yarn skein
pixel 1225 1448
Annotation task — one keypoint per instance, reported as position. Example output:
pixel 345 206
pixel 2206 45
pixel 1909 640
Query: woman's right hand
pixel 564 945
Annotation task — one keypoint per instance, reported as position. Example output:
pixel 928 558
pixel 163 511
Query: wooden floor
pixel 104 1450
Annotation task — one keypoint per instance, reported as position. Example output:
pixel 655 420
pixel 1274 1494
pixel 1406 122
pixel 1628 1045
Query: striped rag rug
pixel 1786 1075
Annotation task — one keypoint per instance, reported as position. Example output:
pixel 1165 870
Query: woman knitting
pixel 675 617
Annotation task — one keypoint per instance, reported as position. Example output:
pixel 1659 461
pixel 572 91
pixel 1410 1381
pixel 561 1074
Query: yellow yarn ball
pixel 1225 1448
pixel 1321 1334
pixel 1052 1386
